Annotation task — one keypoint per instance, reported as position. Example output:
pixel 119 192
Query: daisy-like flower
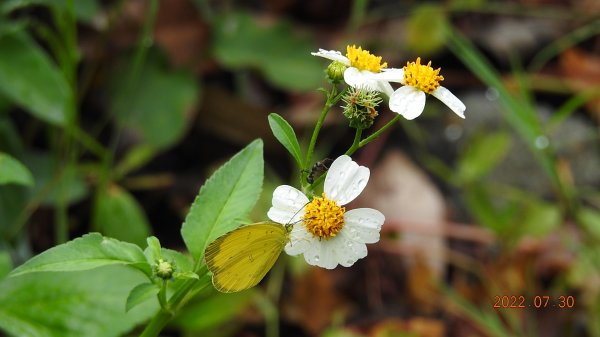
pixel 361 66
pixel 324 231
pixel 418 79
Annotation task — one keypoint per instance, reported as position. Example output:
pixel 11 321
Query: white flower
pixel 361 66
pixel 323 230
pixel 418 79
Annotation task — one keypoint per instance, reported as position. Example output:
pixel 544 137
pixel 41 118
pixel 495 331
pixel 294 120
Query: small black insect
pixel 318 169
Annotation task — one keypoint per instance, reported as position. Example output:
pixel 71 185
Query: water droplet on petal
pixel 316 258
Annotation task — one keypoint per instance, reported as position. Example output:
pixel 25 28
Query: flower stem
pixel 377 133
pixel 356 143
pixel 332 98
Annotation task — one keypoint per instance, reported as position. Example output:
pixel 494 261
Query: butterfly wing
pixel 241 258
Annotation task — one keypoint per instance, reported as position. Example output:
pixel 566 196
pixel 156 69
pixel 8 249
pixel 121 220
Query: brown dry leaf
pixel 408 198
pixel 583 71
pixel 421 292
pixel 315 301
pixel 417 327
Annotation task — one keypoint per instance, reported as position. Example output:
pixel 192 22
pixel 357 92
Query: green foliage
pixel 227 196
pixel 30 79
pixel 157 102
pixel 90 303
pixel 285 134
pixel 5 264
pixel 482 156
pixel 87 252
pixel 241 42
pixel 117 214
pixel 425 29
pixel 12 171
pixel 140 294
pixel 55 181
pixel 211 312
pixel 85 10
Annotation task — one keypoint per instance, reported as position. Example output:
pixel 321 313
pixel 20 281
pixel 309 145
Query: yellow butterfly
pixel 241 258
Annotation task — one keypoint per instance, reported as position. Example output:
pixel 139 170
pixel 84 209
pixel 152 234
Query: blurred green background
pixel 113 113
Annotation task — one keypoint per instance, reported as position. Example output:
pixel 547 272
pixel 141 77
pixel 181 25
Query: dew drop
pixel 542 142
pixel 492 94
pixel 317 258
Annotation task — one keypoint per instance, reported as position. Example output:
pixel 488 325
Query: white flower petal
pixel 347 251
pixel 345 180
pixel 320 254
pixel 363 225
pixel 300 240
pixel 288 204
pixel 333 55
pixel 450 100
pixel 408 102
pixel 363 79
pixel 390 75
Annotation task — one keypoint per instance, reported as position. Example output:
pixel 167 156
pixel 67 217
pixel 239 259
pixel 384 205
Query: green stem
pixel 374 135
pixel 356 143
pixel 177 300
pixel 332 99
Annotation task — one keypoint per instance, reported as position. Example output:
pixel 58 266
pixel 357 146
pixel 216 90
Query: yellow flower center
pixel 323 217
pixel 363 60
pixel 422 77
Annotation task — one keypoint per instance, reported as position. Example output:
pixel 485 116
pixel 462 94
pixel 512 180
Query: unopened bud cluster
pixel 361 107
pixel 164 269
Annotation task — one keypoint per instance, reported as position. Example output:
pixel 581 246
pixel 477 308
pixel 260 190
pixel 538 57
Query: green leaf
pixel 5 264
pixel 212 311
pixel 283 57
pixel 186 275
pixel 482 155
pixel 30 79
pixel 156 105
pixel 141 294
pixel 183 263
pixel 134 159
pixel 153 251
pixel 539 218
pixel 87 252
pixel 85 10
pixel 589 219
pixel 12 171
pixel 55 181
pixel 117 214
pixel 89 303
pixel 285 134
pixel 227 196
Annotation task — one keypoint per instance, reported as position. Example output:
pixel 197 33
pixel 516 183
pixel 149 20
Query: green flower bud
pixel 335 71
pixel 361 107
pixel 164 269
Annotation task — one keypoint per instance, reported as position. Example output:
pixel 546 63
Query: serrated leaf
pixel 118 215
pixel 140 294
pixel 157 104
pixel 280 54
pixel 482 155
pixel 227 195
pixel 30 79
pixel 12 171
pixel 285 134
pixel 89 303
pixel 87 252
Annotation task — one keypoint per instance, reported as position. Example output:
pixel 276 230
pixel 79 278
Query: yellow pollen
pixel 422 77
pixel 323 217
pixel 363 60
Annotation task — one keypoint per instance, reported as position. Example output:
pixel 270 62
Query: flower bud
pixel 164 269
pixel 361 107
pixel 335 71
